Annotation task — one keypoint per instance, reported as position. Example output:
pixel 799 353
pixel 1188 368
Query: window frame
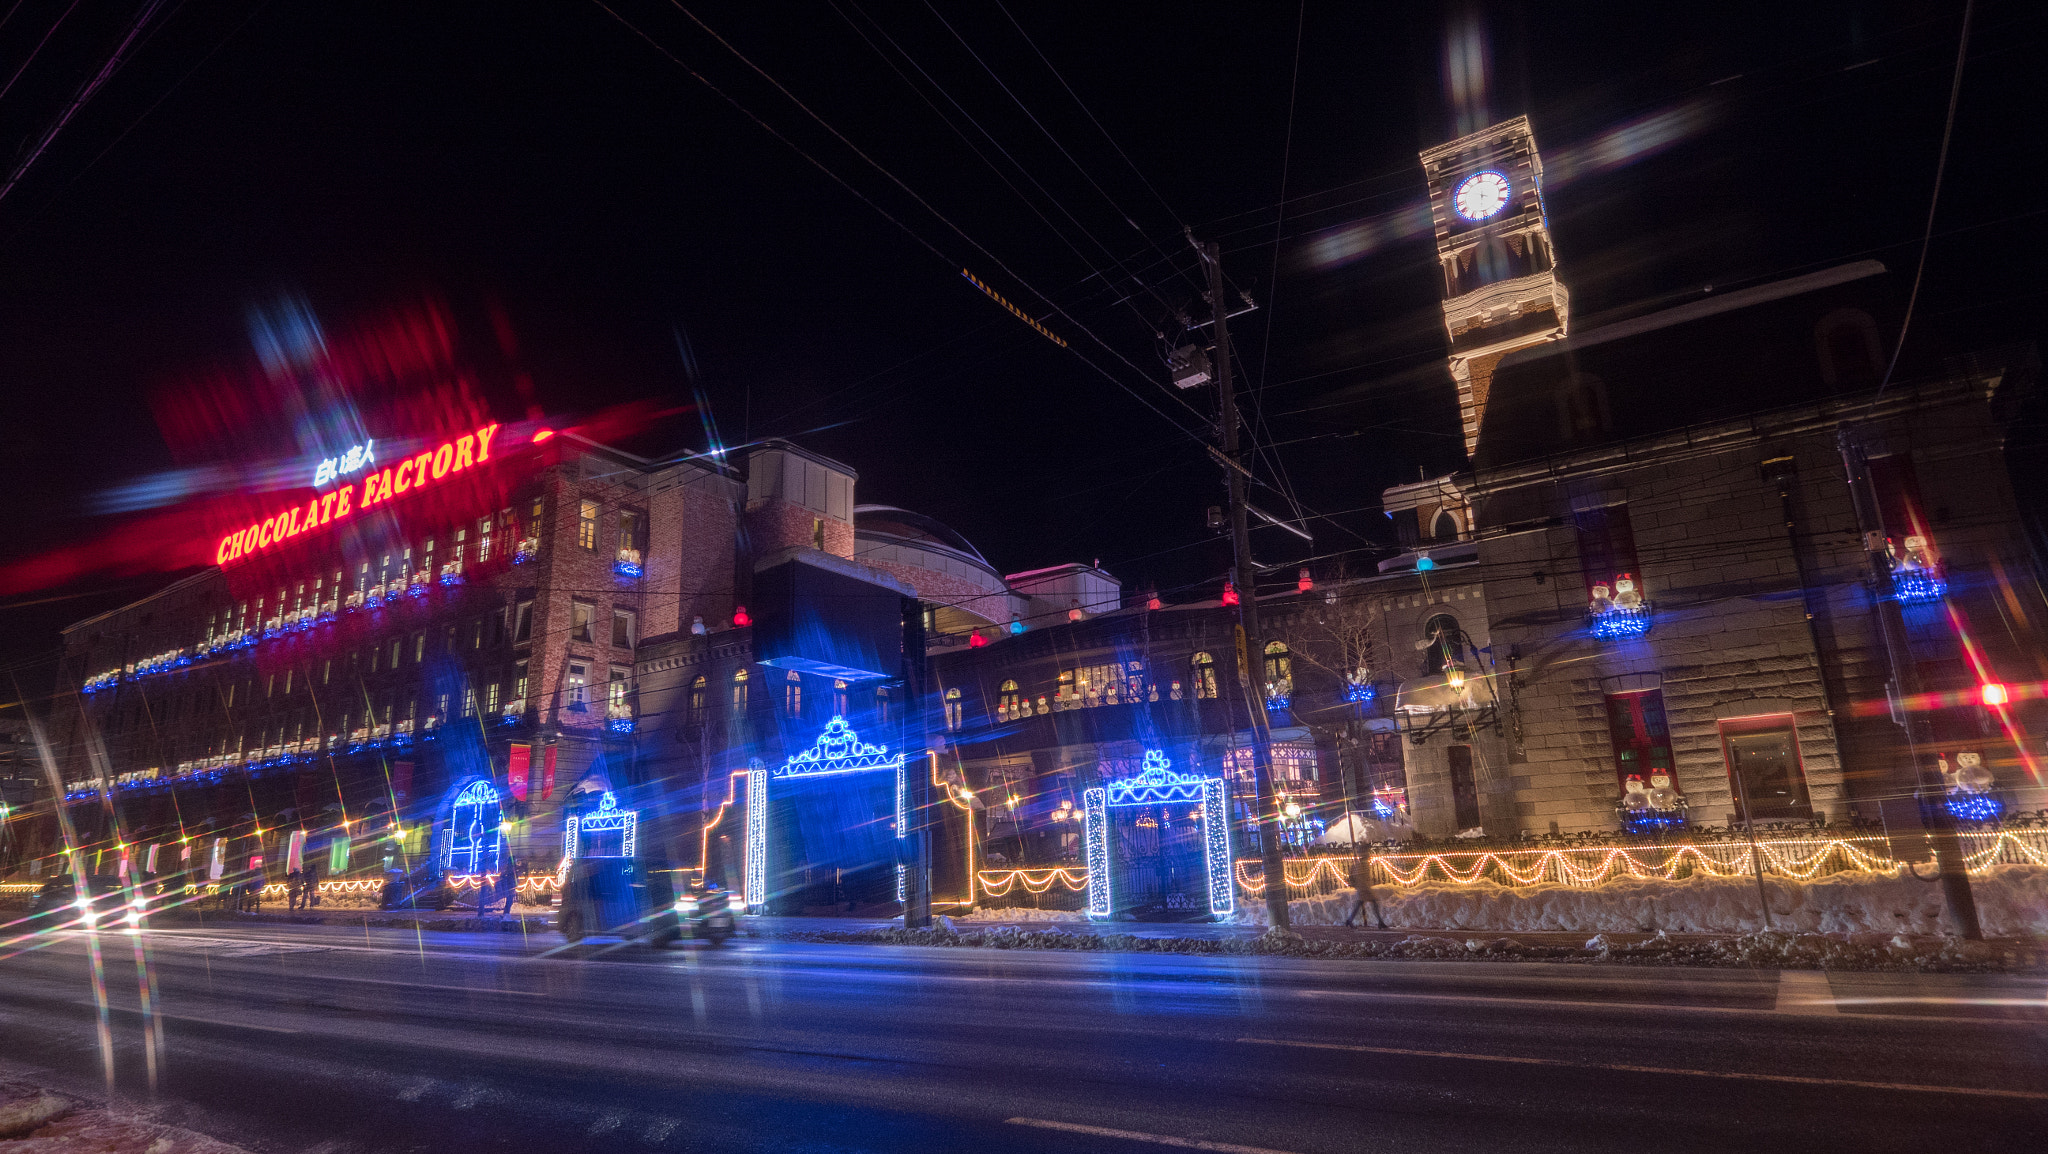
pixel 1727 728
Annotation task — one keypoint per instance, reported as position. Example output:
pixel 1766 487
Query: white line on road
pixel 1805 992
pixel 1737 1075
pixel 1139 1136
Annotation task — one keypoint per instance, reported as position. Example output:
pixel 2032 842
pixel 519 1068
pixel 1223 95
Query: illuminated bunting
pixel 412 473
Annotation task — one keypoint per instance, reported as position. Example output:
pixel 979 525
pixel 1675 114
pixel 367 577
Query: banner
pixel 337 855
pixel 295 852
pixel 520 762
pixel 547 774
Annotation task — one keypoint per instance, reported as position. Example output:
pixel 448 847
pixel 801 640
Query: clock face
pixel 1481 195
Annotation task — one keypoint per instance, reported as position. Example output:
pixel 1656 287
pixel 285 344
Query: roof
pixel 888 520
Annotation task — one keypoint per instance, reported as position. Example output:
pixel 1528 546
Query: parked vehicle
pixel 636 899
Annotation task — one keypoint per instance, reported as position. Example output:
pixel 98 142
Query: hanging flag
pixel 219 864
pixel 547 773
pixel 337 855
pixel 520 761
pixel 295 852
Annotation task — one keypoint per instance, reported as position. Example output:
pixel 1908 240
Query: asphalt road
pixel 330 1039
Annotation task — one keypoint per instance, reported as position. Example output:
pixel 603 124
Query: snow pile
pixel 2012 901
pixel 1022 914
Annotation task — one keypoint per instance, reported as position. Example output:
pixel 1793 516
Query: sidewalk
pixel 530 919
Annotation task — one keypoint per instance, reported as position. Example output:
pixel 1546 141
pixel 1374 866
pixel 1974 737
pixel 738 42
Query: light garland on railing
pixel 1800 858
pixel 996 883
pixel 527 884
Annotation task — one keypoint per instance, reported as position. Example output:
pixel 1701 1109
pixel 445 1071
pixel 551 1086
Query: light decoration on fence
pixel 996 883
pixel 1157 784
pixel 1968 806
pixel 473 841
pixel 1801 858
pixel 838 750
pixel 608 818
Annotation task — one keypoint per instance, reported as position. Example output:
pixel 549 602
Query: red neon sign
pixel 413 473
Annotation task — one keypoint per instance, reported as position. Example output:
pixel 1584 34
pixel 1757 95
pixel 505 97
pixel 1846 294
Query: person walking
pixel 310 878
pixel 1362 891
pixel 294 889
pixel 508 882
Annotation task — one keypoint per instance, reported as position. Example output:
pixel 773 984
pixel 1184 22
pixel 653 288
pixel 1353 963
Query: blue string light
pixel 626 568
pixel 1360 693
pixel 1967 806
pixel 1918 586
pixel 1620 622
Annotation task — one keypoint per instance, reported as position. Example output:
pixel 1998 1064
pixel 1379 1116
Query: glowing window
pixel 586 525
pixel 579 686
pixel 739 691
pixel 700 691
pixel 954 709
pixel 793 694
pixel 1205 676
pixel 1007 705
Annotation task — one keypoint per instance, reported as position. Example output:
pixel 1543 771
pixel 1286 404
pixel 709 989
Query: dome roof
pixel 889 521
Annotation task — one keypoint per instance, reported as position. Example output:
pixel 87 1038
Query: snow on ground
pixel 1021 914
pixel 2012 900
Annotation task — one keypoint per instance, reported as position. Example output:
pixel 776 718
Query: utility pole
pixel 1891 623
pixel 917 776
pixel 1249 647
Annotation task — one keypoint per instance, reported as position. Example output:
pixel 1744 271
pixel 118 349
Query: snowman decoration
pixel 1625 595
pixel 1969 788
pixel 1664 797
pixel 1635 799
pixel 1602 601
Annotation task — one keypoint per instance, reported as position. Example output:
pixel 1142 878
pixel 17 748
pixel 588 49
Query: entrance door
pixel 1160 870
pixel 1464 787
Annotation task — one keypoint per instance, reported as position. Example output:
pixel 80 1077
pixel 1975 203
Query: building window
pixel 792 694
pixel 632 536
pixel 519 683
pixel 841 703
pixel 882 704
pixel 1445 527
pixel 586 525
pixel 1205 677
pixel 581 613
pixel 1279 669
pixel 700 692
pixel 1764 764
pixel 469 701
pixel 954 709
pixel 615 692
pixel 1607 559
pixel 1464 788
pixel 1641 735
pixel 579 686
pixel 739 692
pixel 625 628
pixel 522 629
pixel 395 643
pixel 1007 706
pixel 419 647
pixel 1064 695
pixel 491 698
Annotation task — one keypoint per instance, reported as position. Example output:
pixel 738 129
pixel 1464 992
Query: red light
pixel 1306 583
pixel 1152 602
pixel 975 640
pixel 542 435
pixel 1995 693
pixel 740 620
pixel 1229 593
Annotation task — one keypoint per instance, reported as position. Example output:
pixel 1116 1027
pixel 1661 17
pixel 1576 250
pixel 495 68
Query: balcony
pixel 353 601
pixel 451 573
pixel 619 717
pixel 1617 622
pixel 514 711
pixel 527 549
pixel 628 563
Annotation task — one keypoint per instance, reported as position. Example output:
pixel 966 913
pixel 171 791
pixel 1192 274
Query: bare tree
pixel 1339 634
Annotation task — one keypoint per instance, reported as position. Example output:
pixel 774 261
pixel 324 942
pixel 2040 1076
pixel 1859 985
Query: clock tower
pixel 1501 291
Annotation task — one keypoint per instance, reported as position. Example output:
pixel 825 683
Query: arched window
pixel 739 691
pixel 840 705
pixel 1205 676
pixel 1446 526
pixel 954 709
pixel 882 704
pixel 1446 644
pixel 700 697
pixel 793 694
pixel 1279 668
pixel 1007 708
pixel 1064 695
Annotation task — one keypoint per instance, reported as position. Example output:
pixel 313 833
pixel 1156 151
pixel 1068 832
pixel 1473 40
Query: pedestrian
pixel 312 883
pixel 508 882
pixel 1362 891
pixel 294 889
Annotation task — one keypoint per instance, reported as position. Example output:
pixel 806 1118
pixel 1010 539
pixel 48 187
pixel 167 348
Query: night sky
pixel 593 218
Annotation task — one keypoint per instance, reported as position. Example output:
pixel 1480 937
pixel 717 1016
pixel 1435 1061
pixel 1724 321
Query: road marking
pixel 1736 1075
pixel 139 1012
pixel 1805 992
pixel 1139 1136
